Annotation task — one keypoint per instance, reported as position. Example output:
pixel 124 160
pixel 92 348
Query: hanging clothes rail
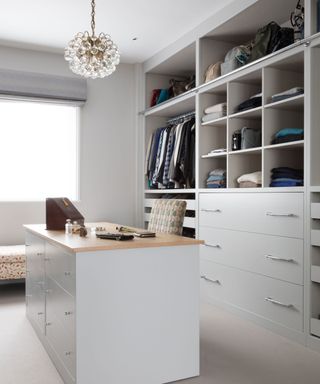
pixel 184 116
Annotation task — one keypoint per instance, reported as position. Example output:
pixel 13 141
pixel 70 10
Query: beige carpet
pixel 233 351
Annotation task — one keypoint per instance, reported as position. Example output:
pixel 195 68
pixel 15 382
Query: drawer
pixel 62 305
pixel 273 256
pixel 60 325
pixel 62 344
pixel 60 266
pixel 279 214
pixel 272 299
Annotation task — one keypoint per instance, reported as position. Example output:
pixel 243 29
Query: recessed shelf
pixel 248 151
pixel 221 122
pixel 165 191
pixel 315 274
pixel 315 188
pixel 260 189
pixel 315 237
pixel 253 113
pixel 188 222
pixel 315 327
pixel 293 103
pixel 213 155
pixel 174 107
pixel 191 204
pixel 289 145
pixel 315 211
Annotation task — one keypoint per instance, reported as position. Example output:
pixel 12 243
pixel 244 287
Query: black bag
pixel 264 40
pixel 285 38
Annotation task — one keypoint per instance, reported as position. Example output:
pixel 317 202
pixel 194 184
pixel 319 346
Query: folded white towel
pixel 212 116
pixel 222 107
pixel 254 177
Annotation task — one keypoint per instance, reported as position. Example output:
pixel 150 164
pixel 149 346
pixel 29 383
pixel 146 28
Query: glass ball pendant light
pixel 92 56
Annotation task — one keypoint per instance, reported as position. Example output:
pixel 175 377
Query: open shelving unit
pixel 294 66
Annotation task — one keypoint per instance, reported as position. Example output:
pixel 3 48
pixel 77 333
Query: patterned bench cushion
pixel 12 254
pixel 12 262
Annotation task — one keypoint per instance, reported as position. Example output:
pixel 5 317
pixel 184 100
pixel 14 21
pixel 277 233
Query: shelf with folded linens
pixel 295 103
pixel 283 166
pixel 244 169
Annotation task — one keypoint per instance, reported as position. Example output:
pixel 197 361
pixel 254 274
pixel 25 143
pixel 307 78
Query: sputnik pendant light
pixel 92 56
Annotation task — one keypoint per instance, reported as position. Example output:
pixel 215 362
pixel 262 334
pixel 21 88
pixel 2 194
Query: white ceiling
pixel 50 24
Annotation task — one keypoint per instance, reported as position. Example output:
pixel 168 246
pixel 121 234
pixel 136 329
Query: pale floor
pixel 233 351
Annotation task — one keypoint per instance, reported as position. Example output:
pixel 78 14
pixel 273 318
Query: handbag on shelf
pixel 213 72
pixel 154 97
pixel 235 58
pixel 178 87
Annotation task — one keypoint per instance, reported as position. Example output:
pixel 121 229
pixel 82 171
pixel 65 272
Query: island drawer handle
pixel 280 214
pixel 211 210
pixel 204 277
pixel 212 245
pixel 270 257
pixel 270 300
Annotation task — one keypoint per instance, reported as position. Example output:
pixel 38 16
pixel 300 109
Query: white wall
pixel 108 147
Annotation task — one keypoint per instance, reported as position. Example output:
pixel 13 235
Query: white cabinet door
pixel 275 300
pixel 273 256
pixel 279 214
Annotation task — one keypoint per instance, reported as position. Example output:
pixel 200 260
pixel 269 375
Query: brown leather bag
pixel 58 210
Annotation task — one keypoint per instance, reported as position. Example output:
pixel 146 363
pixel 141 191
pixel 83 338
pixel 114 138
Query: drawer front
pixel 275 300
pixel 273 256
pixel 60 325
pixel 60 266
pixel 61 304
pixel 35 249
pixel 279 214
pixel 61 343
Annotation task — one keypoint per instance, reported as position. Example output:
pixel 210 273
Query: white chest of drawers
pixel 252 259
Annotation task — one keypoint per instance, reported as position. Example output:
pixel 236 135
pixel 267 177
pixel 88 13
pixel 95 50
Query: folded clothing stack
pixel 286 135
pixel 254 102
pixel 286 177
pixel 214 112
pixel 217 178
pixel 287 94
pixel 250 180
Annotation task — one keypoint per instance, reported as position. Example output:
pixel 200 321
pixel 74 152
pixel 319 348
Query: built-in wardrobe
pixel 261 257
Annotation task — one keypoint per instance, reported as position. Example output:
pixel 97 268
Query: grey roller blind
pixel 42 86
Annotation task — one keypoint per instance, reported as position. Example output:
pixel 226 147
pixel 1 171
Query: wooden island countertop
pixel 75 243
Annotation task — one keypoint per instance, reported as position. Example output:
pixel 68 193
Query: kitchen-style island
pixel 115 312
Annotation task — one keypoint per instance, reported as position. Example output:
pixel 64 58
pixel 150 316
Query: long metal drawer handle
pixel 211 210
pixel 212 245
pixel 204 277
pixel 281 214
pixel 270 300
pixel 280 259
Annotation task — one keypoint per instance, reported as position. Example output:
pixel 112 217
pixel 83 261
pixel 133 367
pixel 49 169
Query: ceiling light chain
pixel 93 15
pixel 92 56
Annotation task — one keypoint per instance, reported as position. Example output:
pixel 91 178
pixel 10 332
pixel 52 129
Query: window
pixel 38 150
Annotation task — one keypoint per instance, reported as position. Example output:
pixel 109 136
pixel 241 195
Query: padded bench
pixel 12 262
